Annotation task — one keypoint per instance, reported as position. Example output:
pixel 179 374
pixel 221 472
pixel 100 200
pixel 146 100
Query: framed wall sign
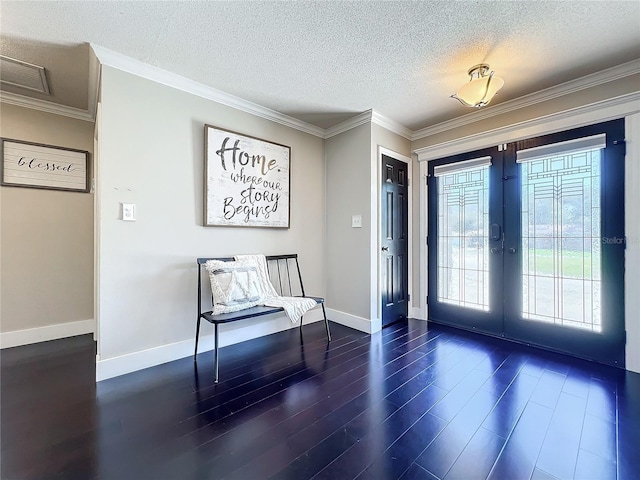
pixel 33 165
pixel 246 181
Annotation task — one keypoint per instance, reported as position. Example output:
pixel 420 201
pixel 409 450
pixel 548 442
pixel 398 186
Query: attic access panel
pixel 24 75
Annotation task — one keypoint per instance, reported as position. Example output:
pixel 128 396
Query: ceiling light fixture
pixel 482 86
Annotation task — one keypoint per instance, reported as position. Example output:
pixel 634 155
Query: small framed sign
pixel 246 181
pixel 33 165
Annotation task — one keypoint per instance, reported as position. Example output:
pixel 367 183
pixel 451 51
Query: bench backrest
pixel 284 272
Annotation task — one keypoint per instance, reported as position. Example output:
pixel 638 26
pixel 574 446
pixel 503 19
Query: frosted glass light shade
pixel 481 88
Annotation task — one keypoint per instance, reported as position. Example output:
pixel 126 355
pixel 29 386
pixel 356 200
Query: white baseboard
pixel 362 324
pixel 230 334
pixel 44 334
pixel 348 320
pixel 131 362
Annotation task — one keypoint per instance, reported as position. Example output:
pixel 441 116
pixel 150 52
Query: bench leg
pixel 195 353
pixel 215 354
pixel 326 322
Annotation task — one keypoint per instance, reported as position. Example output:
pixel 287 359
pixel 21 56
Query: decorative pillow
pixel 235 286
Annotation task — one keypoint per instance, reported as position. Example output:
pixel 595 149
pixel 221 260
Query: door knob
pixel 385 249
pixel 496 250
pixel 512 250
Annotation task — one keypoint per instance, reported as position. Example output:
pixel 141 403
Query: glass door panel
pixel 465 285
pixel 564 281
pixel 561 256
pixel 463 255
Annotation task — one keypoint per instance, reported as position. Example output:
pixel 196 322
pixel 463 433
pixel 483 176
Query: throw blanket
pixel 294 307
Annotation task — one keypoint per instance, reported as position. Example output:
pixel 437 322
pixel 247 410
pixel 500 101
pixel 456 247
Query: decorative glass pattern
pixel 561 249
pixel 463 247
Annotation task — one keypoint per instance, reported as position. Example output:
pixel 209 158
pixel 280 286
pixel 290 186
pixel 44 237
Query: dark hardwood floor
pixel 415 401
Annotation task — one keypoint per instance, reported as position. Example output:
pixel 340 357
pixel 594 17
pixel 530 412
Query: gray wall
pixel 46 239
pixel 353 255
pixel 348 166
pixel 151 154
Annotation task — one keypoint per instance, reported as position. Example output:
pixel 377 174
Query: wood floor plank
pixel 599 437
pixel 440 456
pixel 337 420
pixel 507 411
pixel 414 401
pixel 478 457
pixel 200 411
pixel 416 472
pixel 519 455
pixel 227 464
pixel 542 475
pixel 601 401
pixel 628 423
pixel 397 459
pixel 373 442
pixel 370 446
pixel 590 465
pixel 548 389
pixel 559 451
pixel 207 431
pixel 463 392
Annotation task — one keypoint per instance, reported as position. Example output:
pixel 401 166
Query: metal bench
pixel 284 272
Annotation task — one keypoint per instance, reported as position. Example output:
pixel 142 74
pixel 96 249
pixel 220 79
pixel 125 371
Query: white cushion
pixel 235 286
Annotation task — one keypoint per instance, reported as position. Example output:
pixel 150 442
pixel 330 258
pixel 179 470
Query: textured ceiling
pixel 324 61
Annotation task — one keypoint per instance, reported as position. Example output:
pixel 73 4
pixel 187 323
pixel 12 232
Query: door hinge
pixel 426 240
pixel 623 143
pixel 426 299
pixel 408 297
pixel 408 182
pixel 625 337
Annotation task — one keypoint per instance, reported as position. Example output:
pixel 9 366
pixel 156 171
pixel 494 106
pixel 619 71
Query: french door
pixel 526 241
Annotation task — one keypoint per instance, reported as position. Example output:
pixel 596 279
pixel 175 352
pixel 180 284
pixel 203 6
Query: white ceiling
pixel 322 62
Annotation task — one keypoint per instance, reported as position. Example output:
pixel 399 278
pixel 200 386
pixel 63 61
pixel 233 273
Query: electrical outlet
pixel 356 221
pixel 129 212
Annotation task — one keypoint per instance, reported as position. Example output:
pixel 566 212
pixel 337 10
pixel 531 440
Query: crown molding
pixel 104 56
pixel 391 125
pixel 572 86
pixel 602 111
pixel 94 84
pixel 353 122
pixel 366 117
pixel 44 106
pixel 127 64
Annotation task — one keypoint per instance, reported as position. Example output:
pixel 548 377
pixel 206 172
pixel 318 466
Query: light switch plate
pixel 129 212
pixel 356 221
